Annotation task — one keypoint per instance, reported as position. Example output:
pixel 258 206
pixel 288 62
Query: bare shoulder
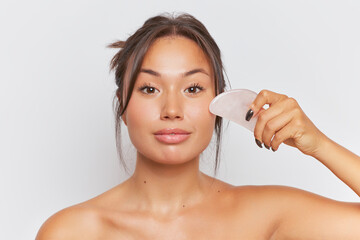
pixel 91 219
pixel 290 197
pixel 283 199
pixel 75 222
pixel 300 214
pixel 265 193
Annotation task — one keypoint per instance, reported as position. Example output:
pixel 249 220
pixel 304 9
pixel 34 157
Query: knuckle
pixel 269 126
pixel 261 117
pixel 283 97
pixel 292 101
pixel 264 93
pixel 298 123
pixel 296 111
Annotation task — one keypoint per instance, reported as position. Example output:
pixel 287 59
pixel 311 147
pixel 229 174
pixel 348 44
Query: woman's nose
pixel 172 107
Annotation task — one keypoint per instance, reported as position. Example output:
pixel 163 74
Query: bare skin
pixel 227 212
pixel 167 197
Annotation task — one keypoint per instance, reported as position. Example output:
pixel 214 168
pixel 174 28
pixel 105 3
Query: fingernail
pixel 272 149
pixel 258 143
pixel 266 146
pixel 249 114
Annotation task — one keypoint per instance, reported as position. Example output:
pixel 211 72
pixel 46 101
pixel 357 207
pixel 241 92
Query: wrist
pixel 324 148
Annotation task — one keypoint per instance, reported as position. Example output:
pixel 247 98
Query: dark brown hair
pixel 132 53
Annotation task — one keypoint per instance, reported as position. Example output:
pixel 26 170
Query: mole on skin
pixel 144 181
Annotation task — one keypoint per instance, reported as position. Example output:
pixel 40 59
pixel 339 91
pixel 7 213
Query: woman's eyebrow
pixel 151 72
pixel 185 74
pixel 197 70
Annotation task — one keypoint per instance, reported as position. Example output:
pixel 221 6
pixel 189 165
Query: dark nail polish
pixel 258 143
pixel 249 114
pixel 266 146
pixel 272 149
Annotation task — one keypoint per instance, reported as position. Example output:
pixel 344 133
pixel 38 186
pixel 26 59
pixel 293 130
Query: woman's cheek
pixel 140 114
pixel 199 113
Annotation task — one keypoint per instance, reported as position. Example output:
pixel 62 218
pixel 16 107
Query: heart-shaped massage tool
pixel 233 105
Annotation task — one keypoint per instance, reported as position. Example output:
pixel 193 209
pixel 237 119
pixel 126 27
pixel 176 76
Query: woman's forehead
pixel 175 54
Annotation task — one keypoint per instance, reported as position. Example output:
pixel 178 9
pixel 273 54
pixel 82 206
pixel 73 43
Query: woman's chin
pixel 173 158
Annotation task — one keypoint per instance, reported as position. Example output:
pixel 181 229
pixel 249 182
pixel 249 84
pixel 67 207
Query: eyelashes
pixel 147 88
pixel 195 86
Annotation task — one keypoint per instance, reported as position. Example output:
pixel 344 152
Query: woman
pixel 167 73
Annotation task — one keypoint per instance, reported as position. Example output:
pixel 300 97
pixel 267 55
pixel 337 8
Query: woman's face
pixel 173 91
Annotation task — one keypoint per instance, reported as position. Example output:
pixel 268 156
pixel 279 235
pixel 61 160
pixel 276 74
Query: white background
pixel 57 144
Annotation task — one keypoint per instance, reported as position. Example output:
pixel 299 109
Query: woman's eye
pixel 147 89
pixel 194 89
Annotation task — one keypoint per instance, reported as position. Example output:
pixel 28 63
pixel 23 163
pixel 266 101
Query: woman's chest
pixel 197 226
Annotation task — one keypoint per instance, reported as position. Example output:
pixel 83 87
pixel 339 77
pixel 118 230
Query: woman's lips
pixel 172 135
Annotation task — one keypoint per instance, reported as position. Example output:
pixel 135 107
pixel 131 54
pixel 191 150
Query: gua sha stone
pixel 233 105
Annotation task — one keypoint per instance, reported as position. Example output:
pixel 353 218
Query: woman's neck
pixel 167 189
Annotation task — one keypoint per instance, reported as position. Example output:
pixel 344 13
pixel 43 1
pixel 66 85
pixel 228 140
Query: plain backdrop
pixel 57 138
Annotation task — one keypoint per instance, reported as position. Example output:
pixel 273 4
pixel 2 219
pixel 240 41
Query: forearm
pixel 342 162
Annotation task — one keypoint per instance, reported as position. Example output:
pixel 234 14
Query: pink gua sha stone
pixel 233 105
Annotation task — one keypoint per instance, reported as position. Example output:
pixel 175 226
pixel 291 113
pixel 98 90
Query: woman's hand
pixel 286 120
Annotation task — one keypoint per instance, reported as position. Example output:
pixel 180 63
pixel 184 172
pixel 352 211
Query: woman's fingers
pixel 280 113
pixel 264 116
pixel 281 136
pixel 265 97
pixel 275 127
pixel 270 121
pixel 284 122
